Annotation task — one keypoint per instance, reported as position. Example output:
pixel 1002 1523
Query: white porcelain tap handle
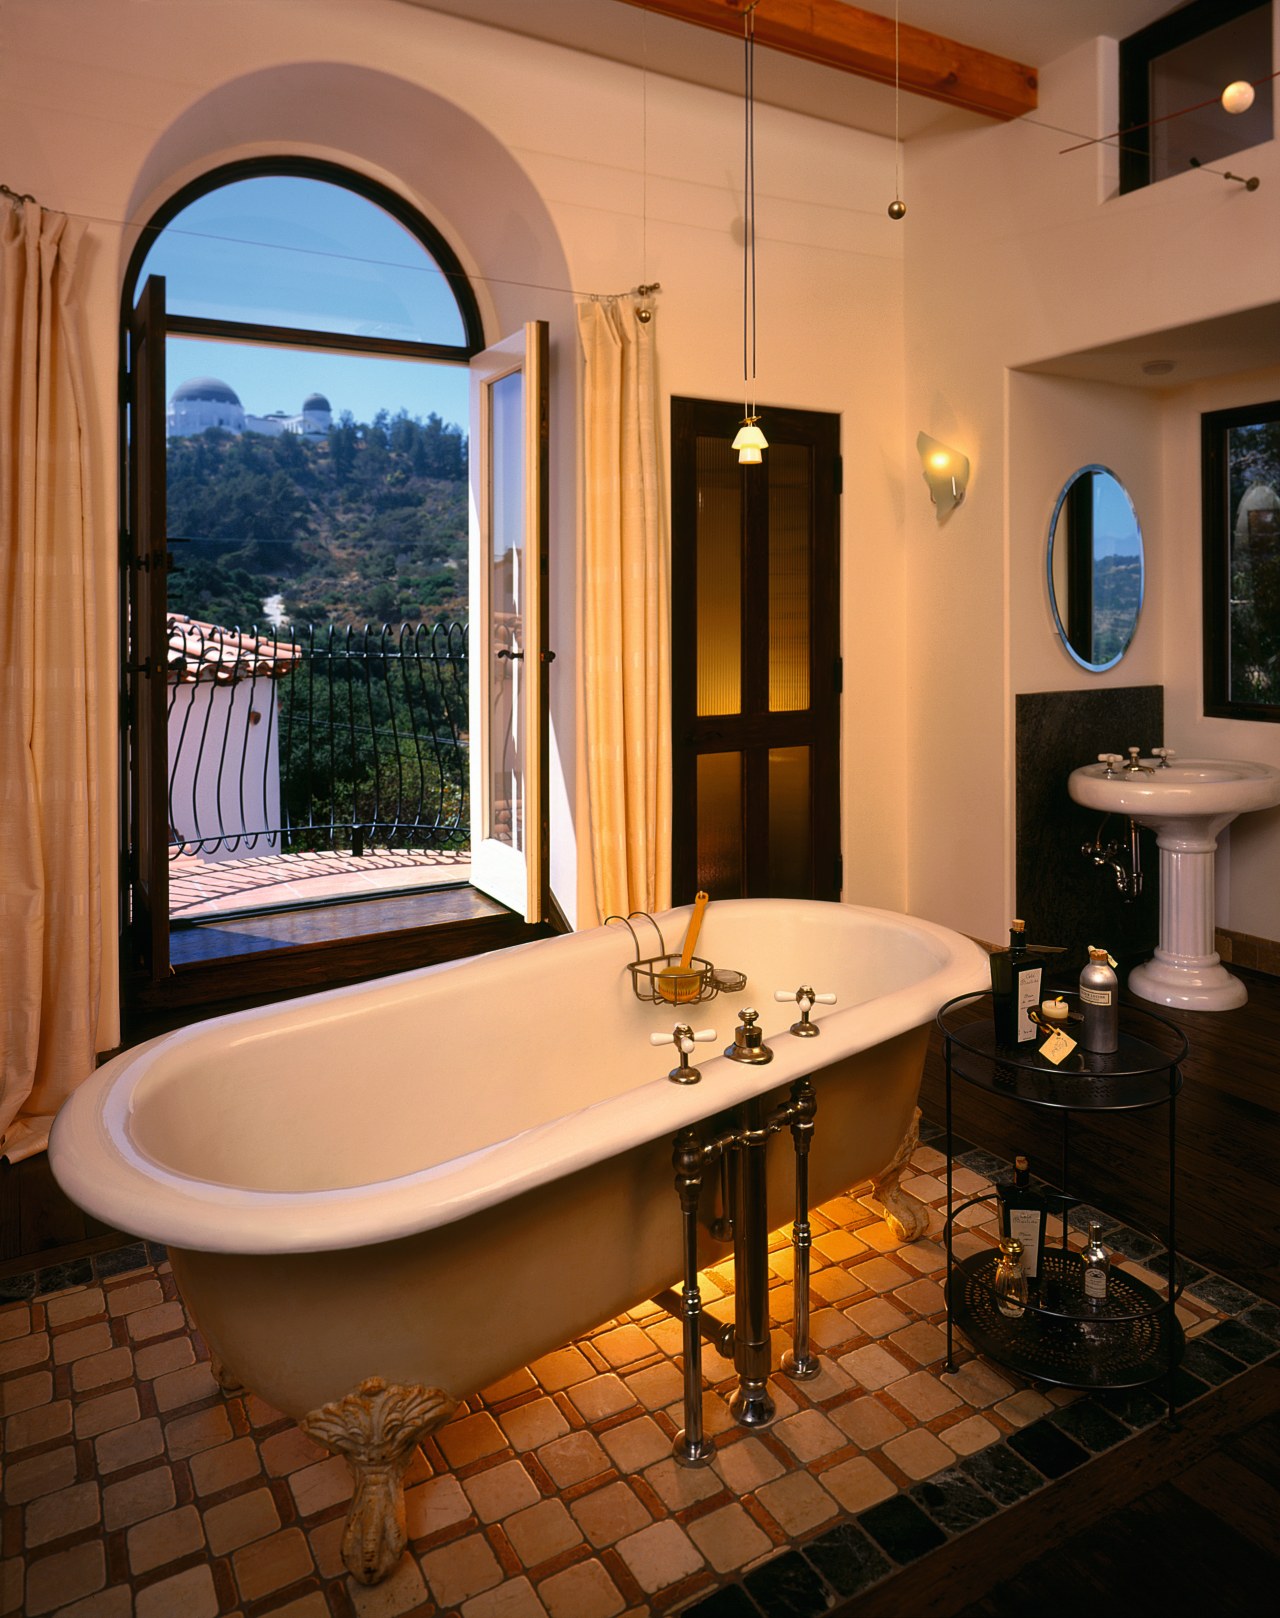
pixel 806 994
pixel 682 1037
pixel 1110 758
pixel 1164 754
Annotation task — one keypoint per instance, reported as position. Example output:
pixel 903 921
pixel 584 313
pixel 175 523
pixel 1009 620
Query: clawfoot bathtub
pixel 380 1199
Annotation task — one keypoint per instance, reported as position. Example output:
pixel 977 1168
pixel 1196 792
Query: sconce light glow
pixel 1238 96
pixel 946 472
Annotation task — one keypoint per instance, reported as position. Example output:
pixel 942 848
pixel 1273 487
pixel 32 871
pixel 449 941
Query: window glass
pixel 283 250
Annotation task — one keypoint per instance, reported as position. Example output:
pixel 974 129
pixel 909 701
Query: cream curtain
pixel 50 920
pixel 626 630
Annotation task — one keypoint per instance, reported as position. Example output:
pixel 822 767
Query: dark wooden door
pixel 755 655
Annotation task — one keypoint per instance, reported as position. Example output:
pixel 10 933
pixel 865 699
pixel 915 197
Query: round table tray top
pixel 1139 1074
pixel 1132 1340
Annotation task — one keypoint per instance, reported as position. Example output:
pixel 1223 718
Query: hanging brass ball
pixel 897 208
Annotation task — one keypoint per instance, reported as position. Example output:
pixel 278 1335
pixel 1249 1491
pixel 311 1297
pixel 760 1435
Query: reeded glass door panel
pixel 719 579
pixel 719 840
pixel 790 526
pixel 790 835
pixel 506 562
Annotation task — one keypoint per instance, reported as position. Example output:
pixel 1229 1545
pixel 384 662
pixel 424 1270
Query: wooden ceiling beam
pixel 862 42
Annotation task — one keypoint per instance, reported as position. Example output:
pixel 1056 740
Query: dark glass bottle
pixel 1022 1215
pixel 1016 976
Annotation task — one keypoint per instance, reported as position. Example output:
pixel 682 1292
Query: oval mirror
pixel 1095 568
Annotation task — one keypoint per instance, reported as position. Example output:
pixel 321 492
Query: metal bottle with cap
pixel 1099 1004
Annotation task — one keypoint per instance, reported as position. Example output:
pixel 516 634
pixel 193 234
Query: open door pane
pixel 508 661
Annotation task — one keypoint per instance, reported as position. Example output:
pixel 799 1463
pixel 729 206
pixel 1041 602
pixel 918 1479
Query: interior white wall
pixel 552 174
pixel 1017 253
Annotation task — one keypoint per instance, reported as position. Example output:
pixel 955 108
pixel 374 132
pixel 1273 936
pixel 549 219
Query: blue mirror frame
pixel 1095 595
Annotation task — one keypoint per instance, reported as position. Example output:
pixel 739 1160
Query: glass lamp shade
pixel 749 455
pixel 749 436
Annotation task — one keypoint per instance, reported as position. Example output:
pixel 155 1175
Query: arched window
pixel 300 404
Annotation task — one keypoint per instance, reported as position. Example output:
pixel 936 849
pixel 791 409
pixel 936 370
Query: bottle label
pixel 1095 997
pixel 1095 1282
pixel 1024 1223
pixel 1028 1001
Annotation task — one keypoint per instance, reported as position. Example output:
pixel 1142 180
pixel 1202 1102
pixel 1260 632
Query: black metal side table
pixel 1135 1337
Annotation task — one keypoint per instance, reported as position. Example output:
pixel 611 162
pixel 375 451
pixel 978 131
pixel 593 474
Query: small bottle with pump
pixel 1097 1267
pixel 1010 1280
pixel 1016 975
pixel 1099 1004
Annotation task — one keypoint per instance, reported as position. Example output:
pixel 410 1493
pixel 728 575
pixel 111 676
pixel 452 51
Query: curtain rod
pixel 16 196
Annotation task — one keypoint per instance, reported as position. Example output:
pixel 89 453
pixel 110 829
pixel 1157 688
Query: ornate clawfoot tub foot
pixel 905 1213
pixel 376 1429
pixel 226 1379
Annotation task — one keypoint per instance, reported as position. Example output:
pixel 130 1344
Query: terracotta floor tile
pixel 25 1392
pixel 126 1446
pixel 65 1576
pixel 403 1592
pixel 561 1369
pixel 510 1387
pixel 164 1539
pixel 872 1367
pixel 38 1425
pixel 532 1425
pixel 882 1274
pixel 69 1307
pixel 469 1438
pixel 320 1485
pixel 137 1295
pixel 978 1383
pixel 680 1486
pixel 924 1395
pixel 83 1340
pixel 828 1328
pixel 435 1504
pixel 609 1514
pixel 285 1452
pixel 745 1465
pixel 797 1502
pixel 309 1606
pixel 809 1434
pixel 21 1352
pixel 326 1546
pixel 514 1599
pixel 926 1256
pixel 53 1516
pixel 624 1346
pixel 156 1359
pixel 240 1521
pixel 919 1453
pixel 495 1494
pixel 271 1563
pixel 155 1322
pixel 1022 1408
pixel 657 1385
pixel 858 1483
pixel 968 1436
pixel 601 1397
pixel 106 1412
pixel 878 1317
pixel 100 1370
pixel 659 1556
pixel 39 1474
pixel 15 1321
pixel 923 1297
pixel 636 1444
pixel 867 1422
pixel 191 1594
pixel 924 1343
pixel 184 1387
pixel 729 1538
pixel 114 1602
pixel 215 1469
pixel 146 1494
pixel 540 1532
pixel 463 1569
pixel 582 1591
pixel 573 1459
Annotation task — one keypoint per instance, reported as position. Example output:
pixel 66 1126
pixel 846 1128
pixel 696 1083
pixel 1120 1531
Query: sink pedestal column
pixel 1187 971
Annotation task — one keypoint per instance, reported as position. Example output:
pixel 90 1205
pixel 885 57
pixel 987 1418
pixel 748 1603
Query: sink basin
pixel 1190 790
pixel 1187 804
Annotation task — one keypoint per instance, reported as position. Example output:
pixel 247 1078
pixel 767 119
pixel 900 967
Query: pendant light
pixel 750 441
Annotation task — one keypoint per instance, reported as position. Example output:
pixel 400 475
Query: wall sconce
pixel 946 472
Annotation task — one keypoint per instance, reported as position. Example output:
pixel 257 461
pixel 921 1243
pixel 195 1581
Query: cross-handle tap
pixel 1135 766
pixel 806 999
pixel 684 1039
pixel 1110 760
pixel 1165 754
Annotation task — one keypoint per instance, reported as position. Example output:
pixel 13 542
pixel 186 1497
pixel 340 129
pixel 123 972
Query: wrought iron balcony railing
pixel 298 740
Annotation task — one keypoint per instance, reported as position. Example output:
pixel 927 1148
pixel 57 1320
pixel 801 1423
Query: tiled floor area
pixel 134 1489
pixel 203 888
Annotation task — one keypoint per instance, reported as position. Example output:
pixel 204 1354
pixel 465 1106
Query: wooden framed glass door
pixel 755 656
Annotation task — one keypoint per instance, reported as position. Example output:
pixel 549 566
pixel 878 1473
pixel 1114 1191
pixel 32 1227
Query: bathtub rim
pixel 103 1171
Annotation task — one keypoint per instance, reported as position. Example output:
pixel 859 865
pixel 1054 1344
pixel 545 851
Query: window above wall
pixel 1172 75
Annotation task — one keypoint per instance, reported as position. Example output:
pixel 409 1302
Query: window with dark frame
pixel 1172 75
pixel 1241 491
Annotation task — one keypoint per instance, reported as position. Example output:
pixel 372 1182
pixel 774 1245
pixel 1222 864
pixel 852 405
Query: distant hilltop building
pixel 205 402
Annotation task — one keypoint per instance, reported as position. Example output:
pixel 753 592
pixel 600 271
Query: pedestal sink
pixel 1186 804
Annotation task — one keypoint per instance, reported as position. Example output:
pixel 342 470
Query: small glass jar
pixel 1010 1283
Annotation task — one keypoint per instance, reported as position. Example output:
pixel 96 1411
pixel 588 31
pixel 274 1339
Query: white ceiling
pixel 1029 31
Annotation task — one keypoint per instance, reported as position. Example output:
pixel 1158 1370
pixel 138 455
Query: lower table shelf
pixel 1132 1340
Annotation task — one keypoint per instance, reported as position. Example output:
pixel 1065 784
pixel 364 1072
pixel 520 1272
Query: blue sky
pixel 1115 528
pixel 282 250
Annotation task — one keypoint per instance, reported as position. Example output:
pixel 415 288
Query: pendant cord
pixel 897 96
pixel 749 215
